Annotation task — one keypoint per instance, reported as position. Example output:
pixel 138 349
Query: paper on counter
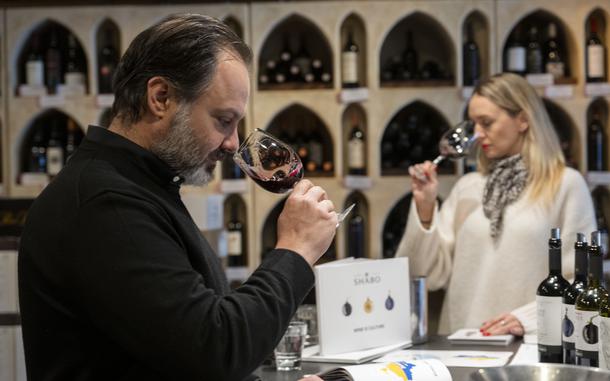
pixel 474 336
pixel 474 359
pixel 526 355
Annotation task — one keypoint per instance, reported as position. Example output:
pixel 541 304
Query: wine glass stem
pixel 438 159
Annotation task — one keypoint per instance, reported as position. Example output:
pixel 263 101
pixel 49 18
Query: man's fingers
pixel 302 187
pixel 316 193
pixel 327 205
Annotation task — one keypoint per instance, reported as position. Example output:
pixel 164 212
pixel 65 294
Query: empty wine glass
pixel 272 164
pixel 455 144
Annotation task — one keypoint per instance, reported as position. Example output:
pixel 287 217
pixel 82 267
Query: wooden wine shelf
pixel 295 86
pixel 419 83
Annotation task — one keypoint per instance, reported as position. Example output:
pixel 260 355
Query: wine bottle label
pixel 587 330
pixel 234 242
pixel 75 79
pixel 55 160
pixel 595 61
pixel 349 68
pixel 516 58
pixel 568 321
pixel 549 320
pixel 556 69
pixel 34 73
pixel 356 154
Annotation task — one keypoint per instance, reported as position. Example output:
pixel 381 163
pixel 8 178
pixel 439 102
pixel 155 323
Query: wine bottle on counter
pixel 595 55
pixel 75 72
pixel 349 61
pixel 587 308
pixel 516 54
pixel 554 64
pixel 53 63
pixel 55 150
pixel 409 59
pixel 108 59
pixel 356 151
pixel 568 332
pixel 597 143
pixel 548 304
pixel 604 334
pixel 34 66
pixel 235 239
pixel 534 53
pixel 472 62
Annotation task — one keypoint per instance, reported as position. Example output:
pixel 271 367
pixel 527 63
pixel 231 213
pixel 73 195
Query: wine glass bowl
pixel 457 142
pixel 271 163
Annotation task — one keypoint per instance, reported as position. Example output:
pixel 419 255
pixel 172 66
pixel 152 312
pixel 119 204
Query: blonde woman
pixel 487 245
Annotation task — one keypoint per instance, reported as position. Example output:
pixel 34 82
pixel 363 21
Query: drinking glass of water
pixel 290 348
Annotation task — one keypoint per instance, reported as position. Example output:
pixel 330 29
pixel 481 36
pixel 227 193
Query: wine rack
pixel 354 117
pixel 427 58
pixel 439 29
pixel 477 24
pixel 108 48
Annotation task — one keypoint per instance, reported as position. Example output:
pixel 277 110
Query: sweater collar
pixel 141 157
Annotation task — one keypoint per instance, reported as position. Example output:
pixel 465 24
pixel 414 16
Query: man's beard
pixel 181 151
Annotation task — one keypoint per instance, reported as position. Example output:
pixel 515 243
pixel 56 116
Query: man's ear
pixel 158 97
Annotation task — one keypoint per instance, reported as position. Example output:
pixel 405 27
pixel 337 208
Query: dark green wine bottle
pixel 587 308
pixel 604 334
pixel 548 303
pixel 568 338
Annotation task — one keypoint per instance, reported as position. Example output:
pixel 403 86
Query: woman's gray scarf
pixel 506 181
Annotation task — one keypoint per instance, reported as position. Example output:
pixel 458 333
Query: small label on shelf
pixel 105 100
pixel 597 89
pixel 540 79
pixel 34 178
pixel 73 90
pixel 353 95
pixel 357 182
pixel 559 91
pixel 598 177
pixel 466 92
pixel 46 101
pixel 234 186
pixel 32 91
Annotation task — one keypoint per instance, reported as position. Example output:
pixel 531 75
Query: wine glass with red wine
pixel 272 164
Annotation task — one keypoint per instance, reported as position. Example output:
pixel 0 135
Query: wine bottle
pixel 596 143
pixel 282 71
pixel 349 60
pixel 548 305
pixel 409 59
pixel 55 150
pixel 71 138
pixel 75 73
pixel 356 151
pixel 38 153
pixel 604 334
pixel 34 66
pixel 568 338
pixel 315 149
pixel 595 56
pixel 53 63
pixel 587 308
pixel 534 53
pixel 554 64
pixel 355 235
pixel 235 237
pixel 471 59
pixel 303 61
pixel 107 61
pixel 516 53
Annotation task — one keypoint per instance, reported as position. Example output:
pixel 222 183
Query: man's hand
pixel 307 225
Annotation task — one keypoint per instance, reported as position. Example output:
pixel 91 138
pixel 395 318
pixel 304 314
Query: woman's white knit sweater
pixel 484 279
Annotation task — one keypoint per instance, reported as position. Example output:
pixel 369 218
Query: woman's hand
pixel 425 189
pixel 503 325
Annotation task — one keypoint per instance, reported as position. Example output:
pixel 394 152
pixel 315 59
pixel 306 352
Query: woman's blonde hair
pixel 541 150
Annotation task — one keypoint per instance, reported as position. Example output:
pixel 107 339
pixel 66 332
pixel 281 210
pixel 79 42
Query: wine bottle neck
pixel 595 270
pixel 554 256
pixel 580 261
